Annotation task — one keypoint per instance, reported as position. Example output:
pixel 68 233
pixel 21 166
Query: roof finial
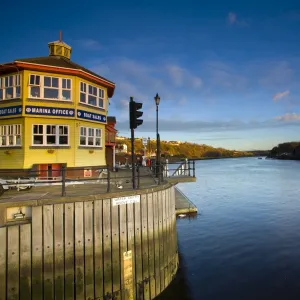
pixel 60 35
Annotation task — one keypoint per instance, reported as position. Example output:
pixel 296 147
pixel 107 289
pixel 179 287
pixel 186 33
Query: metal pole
pixel 63 184
pixel 138 171
pixel 108 180
pixel 132 155
pixel 157 148
pixel 132 159
pixel 194 175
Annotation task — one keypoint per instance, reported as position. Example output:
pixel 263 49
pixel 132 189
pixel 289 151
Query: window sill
pixel 91 106
pixel 49 147
pixel 90 147
pixel 48 100
pixel 11 100
pixel 10 147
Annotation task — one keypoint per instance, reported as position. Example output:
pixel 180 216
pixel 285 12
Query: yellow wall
pixel 12 157
pixel 74 156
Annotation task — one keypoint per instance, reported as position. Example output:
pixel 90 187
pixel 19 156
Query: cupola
pixel 59 48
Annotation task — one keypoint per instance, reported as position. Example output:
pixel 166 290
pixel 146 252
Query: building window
pixel 50 135
pixel 91 95
pixel 49 87
pixel 10 87
pixel 10 135
pixel 90 137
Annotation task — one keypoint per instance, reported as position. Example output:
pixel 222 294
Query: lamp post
pixel 157 100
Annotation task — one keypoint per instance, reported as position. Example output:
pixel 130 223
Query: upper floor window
pixel 90 137
pixel 91 95
pixel 10 135
pixel 54 135
pixel 10 87
pixel 49 87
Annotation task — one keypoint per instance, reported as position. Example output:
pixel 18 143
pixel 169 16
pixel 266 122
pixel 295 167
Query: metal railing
pixel 99 179
pixel 181 169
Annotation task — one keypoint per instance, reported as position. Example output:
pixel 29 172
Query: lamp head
pixel 157 99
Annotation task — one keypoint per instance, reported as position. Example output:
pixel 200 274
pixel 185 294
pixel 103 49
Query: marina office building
pixel 52 112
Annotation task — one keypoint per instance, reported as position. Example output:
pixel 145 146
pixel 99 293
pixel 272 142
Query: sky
pixel 227 72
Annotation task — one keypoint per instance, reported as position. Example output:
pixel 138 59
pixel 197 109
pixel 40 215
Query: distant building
pixel 121 148
pixel 110 142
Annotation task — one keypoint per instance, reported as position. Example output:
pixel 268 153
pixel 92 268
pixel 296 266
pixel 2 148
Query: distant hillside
pixel 182 150
pixel 290 150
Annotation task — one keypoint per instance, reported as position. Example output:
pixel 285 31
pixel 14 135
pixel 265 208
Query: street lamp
pixel 157 100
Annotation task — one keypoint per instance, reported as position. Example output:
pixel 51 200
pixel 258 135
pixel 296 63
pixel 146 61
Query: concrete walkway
pixel 182 204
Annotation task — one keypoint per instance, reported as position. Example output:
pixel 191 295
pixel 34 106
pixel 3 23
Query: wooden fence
pixel 91 250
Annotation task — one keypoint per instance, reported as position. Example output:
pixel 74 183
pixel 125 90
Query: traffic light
pixel 135 114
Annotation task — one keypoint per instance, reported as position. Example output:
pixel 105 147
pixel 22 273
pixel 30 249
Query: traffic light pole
pixel 134 122
pixel 133 159
pixel 132 152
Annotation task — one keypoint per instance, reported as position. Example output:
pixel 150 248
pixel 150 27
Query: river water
pixel 245 242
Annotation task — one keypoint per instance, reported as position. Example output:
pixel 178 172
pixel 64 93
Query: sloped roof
pixel 59 61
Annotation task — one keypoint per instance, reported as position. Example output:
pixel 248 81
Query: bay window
pixel 10 87
pixel 91 95
pixel 90 137
pixel 49 87
pixel 50 135
pixel 10 135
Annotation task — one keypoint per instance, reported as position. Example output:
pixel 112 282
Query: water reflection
pixel 179 287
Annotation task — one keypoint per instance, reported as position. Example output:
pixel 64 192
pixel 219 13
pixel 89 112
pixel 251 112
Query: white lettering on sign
pixel 126 200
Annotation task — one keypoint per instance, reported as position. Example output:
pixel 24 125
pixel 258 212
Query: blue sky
pixel 227 72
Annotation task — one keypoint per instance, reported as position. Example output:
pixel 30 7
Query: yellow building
pixel 52 112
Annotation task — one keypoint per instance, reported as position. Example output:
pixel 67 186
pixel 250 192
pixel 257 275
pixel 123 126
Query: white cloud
pixel 181 77
pixel 280 95
pixel 288 117
pixel 88 44
pixel 232 19
pixel 143 81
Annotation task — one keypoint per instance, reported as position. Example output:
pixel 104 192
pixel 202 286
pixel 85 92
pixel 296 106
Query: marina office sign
pixel 49 111
pixel 52 111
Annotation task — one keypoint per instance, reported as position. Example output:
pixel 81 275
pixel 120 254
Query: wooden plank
pixel 145 246
pixel 107 263
pixel 156 243
pixel 37 252
pixel 138 251
pixel 168 232
pixel 69 251
pixel 89 250
pixel 174 231
pixel 25 262
pixel 48 252
pixel 130 246
pixel 175 242
pixel 151 245
pixel 98 249
pixel 3 249
pixel 115 251
pixel 13 252
pixel 161 200
pixel 59 251
pixel 127 275
pixel 123 249
pixel 79 251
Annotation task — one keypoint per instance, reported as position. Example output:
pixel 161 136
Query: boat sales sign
pixel 49 111
pixel 86 115
pixel 10 111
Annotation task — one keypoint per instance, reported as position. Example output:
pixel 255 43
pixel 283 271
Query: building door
pixel 49 171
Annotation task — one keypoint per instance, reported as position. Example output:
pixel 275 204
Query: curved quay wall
pixel 92 249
